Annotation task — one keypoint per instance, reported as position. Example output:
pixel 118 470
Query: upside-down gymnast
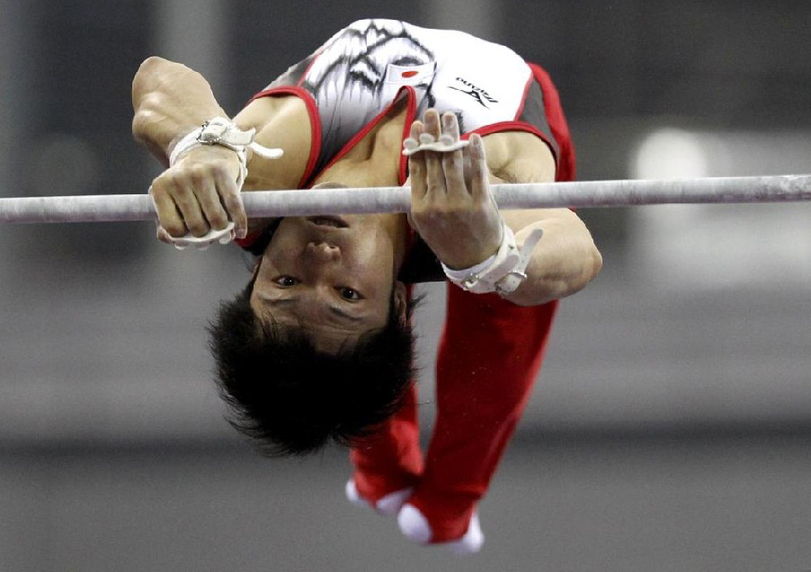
pixel 318 346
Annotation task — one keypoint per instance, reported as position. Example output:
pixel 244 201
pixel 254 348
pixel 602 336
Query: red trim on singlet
pixel 303 77
pixel 315 123
pixel 366 129
pixel 557 123
pixel 411 114
pixel 248 240
pixel 315 143
pixel 514 126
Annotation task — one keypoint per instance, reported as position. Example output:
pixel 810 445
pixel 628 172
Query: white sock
pixel 389 505
pixel 415 527
pixel 353 495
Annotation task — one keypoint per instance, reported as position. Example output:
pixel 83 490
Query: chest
pixel 374 158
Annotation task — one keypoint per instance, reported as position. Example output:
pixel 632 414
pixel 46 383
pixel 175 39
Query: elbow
pixel 594 263
pixel 543 289
pixel 586 257
pixel 142 118
pixel 591 265
pixel 591 260
pixel 146 93
pixel 150 63
pixel 145 77
pixel 151 67
pixel 152 76
pixel 143 89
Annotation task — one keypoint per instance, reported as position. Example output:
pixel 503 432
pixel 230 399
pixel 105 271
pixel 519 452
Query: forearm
pixel 169 101
pixel 565 259
pixel 562 263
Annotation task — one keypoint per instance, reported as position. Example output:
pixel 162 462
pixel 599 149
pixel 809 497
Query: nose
pixel 322 252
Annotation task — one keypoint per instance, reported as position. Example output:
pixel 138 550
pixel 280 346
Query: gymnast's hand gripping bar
pixel 580 194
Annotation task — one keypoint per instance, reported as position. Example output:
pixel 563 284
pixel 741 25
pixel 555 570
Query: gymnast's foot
pixel 387 505
pixel 416 527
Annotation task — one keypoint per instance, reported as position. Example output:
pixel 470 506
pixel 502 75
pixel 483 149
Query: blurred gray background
pixel 669 430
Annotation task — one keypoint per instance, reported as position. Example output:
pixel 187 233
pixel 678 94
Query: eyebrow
pixel 337 310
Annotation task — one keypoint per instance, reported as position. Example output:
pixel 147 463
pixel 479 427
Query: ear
pixel 401 301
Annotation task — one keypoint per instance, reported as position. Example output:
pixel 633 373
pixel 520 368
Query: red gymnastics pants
pixel 489 357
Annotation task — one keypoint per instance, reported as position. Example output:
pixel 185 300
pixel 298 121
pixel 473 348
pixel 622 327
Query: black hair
pixel 292 399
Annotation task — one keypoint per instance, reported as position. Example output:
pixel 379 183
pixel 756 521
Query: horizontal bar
pixel 578 194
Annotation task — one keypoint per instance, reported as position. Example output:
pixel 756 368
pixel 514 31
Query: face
pixel 333 276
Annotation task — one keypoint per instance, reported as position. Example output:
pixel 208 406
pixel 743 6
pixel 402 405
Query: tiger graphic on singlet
pixel 359 72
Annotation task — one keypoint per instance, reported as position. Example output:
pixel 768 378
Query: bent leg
pixel 489 356
pixel 390 459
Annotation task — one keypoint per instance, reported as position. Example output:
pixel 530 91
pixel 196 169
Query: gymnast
pixel 318 346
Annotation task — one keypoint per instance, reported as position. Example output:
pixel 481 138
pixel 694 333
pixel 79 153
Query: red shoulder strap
pixel 557 123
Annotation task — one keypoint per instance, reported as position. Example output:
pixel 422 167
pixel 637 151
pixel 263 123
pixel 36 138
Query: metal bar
pixel 579 194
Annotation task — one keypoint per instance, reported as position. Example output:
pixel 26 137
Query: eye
pixel 350 294
pixel 286 281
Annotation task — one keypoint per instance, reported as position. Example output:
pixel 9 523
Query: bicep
pixel 281 122
pixel 519 157
pixel 522 157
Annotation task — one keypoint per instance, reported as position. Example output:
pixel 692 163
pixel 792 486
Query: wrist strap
pixel 503 272
pixel 226 133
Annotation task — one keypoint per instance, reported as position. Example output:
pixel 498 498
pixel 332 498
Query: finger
pixel 226 239
pixel 450 126
pixel 416 129
pixel 435 175
pixel 416 167
pixel 479 175
pixel 168 216
pixel 433 163
pixel 231 198
pixel 186 201
pixel 431 120
pixel 206 192
pixel 453 163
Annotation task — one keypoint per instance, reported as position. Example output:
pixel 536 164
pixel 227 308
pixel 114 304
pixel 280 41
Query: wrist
pixel 465 256
pixel 462 261
pixel 208 154
pixel 223 133
pixel 503 272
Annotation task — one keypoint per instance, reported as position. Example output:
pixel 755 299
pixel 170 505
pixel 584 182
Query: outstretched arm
pixel 455 214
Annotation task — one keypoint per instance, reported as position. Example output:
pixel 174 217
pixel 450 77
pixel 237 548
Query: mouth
pixel 328 221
